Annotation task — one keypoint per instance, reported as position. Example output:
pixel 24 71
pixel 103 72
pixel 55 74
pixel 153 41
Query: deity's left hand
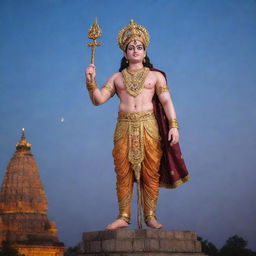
pixel 173 136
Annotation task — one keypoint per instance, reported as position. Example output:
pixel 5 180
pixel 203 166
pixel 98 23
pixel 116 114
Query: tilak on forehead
pixel 132 32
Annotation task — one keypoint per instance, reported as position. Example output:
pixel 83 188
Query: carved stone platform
pixel 143 242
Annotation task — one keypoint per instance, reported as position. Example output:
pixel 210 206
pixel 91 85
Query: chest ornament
pixel 134 80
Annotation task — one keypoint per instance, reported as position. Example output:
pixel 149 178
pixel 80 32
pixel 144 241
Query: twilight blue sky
pixel 208 50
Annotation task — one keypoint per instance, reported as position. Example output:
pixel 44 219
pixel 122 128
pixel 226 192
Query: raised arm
pixel 99 96
pixel 164 96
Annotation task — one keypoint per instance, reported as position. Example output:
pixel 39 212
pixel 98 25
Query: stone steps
pixel 146 242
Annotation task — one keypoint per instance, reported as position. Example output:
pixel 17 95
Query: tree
pixel 236 246
pixel 208 247
pixel 71 251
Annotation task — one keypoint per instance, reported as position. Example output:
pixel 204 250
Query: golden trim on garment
pixel 162 89
pixel 151 127
pixel 132 32
pixel 135 123
pixel 120 131
pixel 151 204
pixel 136 146
pixel 134 80
pixel 110 89
pixel 150 124
pixel 136 116
pixel 176 184
pixel 122 205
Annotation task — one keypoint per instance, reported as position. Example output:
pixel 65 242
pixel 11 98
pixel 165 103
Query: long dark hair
pixel 124 63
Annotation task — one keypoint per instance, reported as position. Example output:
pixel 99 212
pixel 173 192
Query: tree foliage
pixel 208 248
pixel 234 246
pixel 71 251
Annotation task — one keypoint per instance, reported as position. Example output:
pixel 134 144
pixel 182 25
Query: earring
pixel 126 61
pixel 144 60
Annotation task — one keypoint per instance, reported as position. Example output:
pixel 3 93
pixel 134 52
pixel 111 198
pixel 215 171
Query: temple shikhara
pixel 23 206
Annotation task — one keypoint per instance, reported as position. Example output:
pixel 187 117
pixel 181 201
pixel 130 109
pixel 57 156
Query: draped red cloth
pixel 173 171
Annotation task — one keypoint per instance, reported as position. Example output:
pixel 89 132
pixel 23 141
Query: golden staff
pixel 94 33
pixel 137 169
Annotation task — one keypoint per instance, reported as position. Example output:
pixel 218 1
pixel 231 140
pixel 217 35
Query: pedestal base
pixel 143 242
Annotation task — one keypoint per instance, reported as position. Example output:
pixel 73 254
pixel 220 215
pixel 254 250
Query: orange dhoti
pixel 137 154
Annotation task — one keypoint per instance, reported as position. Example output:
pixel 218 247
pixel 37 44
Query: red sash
pixel 173 171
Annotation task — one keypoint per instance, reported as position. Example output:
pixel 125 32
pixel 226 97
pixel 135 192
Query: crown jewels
pixel 131 32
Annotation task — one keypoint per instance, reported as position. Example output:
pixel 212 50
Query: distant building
pixel 23 206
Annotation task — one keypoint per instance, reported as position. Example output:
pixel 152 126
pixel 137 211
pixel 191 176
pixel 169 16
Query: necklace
pixel 134 80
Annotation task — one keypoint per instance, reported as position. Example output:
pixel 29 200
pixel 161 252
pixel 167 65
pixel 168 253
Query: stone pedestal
pixel 144 242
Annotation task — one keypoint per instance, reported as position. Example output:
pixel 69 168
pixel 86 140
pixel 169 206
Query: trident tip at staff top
pixel 94 33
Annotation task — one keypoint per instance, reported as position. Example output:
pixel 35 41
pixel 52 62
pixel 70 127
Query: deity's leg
pixel 150 176
pixel 124 177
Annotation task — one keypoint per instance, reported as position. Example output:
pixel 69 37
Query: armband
pixel 110 89
pixel 162 89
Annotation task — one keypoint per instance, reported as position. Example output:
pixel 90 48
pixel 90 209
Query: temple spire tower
pixel 22 190
pixel 23 206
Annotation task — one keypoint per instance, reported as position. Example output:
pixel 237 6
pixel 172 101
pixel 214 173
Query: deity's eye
pixel 140 47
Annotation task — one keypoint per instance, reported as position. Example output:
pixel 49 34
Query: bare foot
pixel 119 223
pixel 153 223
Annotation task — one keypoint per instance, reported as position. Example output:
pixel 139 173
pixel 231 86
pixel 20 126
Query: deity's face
pixel 135 52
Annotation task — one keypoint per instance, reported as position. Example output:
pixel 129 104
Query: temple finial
pixel 23 143
pixel 23 133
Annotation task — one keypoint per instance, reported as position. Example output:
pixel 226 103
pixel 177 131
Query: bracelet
pixel 173 123
pixel 91 86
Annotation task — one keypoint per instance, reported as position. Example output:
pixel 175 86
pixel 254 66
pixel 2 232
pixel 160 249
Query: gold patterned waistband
pixel 136 116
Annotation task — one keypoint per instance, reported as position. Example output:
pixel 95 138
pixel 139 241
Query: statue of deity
pixel 146 148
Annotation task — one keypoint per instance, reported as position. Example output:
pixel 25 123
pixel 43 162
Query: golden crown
pixel 131 32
